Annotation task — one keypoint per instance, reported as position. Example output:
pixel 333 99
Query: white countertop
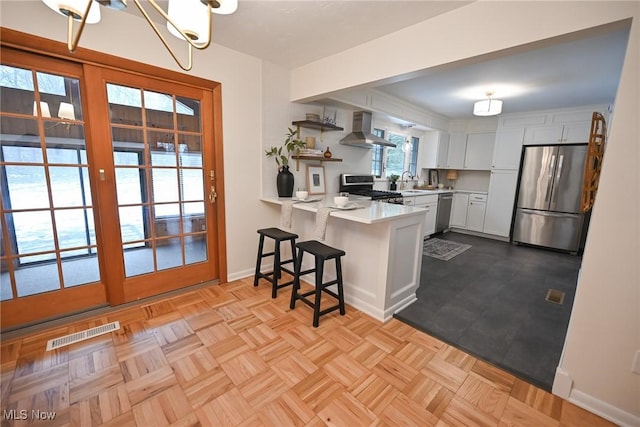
pixel 368 212
pixel 411 192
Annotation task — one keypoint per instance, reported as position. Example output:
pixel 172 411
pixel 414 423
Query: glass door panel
pixel 159 178
pixel 48 230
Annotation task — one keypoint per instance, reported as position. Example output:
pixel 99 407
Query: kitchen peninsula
pixel 383 242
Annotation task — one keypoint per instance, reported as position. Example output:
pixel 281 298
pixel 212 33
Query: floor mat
pixel 443 249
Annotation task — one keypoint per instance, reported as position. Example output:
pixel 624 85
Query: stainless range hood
pixel 361 135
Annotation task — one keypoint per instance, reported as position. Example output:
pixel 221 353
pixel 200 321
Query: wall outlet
pixel 635 367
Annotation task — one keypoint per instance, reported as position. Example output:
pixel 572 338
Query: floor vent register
pixel 82 335
pixel 555 296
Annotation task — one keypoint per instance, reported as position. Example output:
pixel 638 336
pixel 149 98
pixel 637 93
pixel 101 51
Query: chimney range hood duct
pixel 361 135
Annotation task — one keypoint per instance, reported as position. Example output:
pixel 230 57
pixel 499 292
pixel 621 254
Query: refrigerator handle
pixel 555 193
pixel 552 165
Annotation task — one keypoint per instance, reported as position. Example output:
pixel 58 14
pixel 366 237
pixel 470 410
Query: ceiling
pixel 581 69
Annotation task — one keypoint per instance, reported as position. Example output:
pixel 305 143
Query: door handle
pixel 213 195
pixel 560 161
pixel 552 165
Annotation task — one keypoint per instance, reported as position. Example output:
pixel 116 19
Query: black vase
pixel 393 186
pixel 284 182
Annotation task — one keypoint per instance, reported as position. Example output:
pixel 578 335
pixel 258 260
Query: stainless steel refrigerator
pixel 548 211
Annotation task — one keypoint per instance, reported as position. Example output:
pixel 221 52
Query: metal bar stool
pixel 321 252
pixel 272 276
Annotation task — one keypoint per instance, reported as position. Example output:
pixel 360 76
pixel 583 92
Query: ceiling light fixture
pixel 487 107
pixel 188 20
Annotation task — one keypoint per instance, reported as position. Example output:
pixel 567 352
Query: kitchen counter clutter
pixel 383 245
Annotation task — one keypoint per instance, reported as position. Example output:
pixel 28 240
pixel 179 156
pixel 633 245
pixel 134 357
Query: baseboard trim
pixel 603 409
pixel 399 306
pixel 246 273
pixel 479 234
pixel 562 383
pixel 364 307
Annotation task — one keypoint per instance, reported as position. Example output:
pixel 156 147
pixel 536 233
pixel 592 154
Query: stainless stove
pixel 362 185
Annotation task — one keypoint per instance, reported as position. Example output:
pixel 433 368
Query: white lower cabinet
pixel 475 212
pixel 502 193
pixel 459 207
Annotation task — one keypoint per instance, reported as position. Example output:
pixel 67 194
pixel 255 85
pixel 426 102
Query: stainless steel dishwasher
pixel 444 211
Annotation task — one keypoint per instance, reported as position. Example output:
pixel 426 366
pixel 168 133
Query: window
pixel 413 158
pixel 376 158
pixel 386 161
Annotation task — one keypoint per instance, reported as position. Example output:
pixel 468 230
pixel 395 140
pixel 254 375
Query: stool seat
pixel 321 252
pixel 273 276
pixel 277 234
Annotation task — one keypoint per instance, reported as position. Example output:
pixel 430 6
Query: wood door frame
pixel 49 48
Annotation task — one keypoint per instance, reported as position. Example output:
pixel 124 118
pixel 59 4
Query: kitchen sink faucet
pixel 403 183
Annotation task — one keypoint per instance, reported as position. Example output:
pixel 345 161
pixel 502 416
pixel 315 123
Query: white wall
pixel 239 74
pixel 604 333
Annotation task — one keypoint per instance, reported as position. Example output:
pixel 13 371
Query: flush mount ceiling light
pixel 487 107
pixel 188 20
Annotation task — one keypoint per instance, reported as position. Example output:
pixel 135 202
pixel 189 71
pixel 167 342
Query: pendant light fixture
pixel 188 20
pixel 487 107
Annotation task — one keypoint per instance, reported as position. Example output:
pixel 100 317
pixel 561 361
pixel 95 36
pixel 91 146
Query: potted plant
pixel 291 145
pixel 393 178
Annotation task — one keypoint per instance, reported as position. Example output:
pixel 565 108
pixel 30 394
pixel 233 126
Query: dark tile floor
pixel 490 301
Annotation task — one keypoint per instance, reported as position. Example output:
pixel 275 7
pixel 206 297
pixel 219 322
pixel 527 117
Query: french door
pixel 108 187
pixel 157 182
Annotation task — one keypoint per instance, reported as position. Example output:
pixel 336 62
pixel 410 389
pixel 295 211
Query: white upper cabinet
pixel 457 148
pixel 559 134
pixel 433 150
pixel 562 127
pixel 508 148
pixel 443 150
pixel 576 132
pixel 479 151
pixel 537 128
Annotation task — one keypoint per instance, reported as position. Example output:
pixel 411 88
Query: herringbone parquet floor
pixel 229 355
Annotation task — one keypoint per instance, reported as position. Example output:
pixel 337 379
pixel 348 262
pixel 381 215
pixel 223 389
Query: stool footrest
pixel 312 305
